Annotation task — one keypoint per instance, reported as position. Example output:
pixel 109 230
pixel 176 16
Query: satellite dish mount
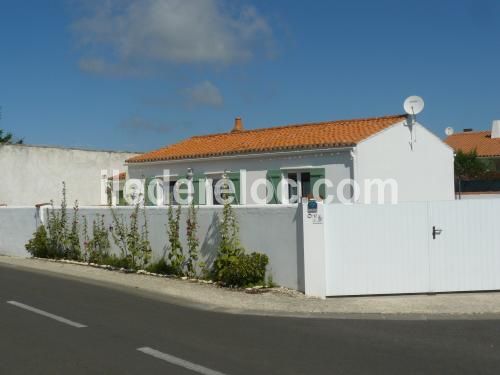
pixel 413 105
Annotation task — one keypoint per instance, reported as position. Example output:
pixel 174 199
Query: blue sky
pixel 129 75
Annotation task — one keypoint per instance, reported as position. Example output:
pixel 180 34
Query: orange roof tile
pixel 290 137
pixel 480 140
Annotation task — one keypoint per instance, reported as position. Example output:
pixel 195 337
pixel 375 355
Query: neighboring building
pixel 486 143
pixel 359 149
pixel 487 146
pixel 34 174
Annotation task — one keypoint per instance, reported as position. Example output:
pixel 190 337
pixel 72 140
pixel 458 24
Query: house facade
pixel 328 160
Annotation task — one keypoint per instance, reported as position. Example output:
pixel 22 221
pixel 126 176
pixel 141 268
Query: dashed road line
pixel 179 362
pixel 46 314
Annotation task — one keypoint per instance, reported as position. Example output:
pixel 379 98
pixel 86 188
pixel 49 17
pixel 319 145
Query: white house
pixel 394 150
pixel 32 175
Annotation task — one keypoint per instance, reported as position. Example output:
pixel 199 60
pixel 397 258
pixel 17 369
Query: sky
pixel 139 75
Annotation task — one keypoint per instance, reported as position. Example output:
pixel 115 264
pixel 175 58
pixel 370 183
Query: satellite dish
pixel 449 131
pixel 413 105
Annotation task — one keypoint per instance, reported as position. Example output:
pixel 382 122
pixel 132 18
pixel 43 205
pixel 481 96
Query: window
pixel 171 197
pixel 303 186
pixel 214 199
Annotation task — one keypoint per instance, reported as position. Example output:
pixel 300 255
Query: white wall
pixel 422 173
pixel 337 164
pixel 34 174
pixel 17 225
pixel 283 244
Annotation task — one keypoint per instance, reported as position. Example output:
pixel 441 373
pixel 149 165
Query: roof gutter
pixel 242 156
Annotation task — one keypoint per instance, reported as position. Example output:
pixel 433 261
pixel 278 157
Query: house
pixel 345 158
pixel 33 175
pixel 486 143
pixel 487 146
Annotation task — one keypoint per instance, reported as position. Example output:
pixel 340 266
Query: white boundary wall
pixel 17 225
pixel 271 229
pixel 390 249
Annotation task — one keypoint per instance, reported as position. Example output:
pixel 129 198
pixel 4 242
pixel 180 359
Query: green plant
pixel 192 239
pixel 73 249
pixel 232 266
pixel 38 246
pixel 468 166
pixel 244 270
pixel 61 241
pixel 8 138
pixel 230 247
pixel 57 228
pixel 98 247
pixel 175 254
pixel 116 261
pixel 161 267
pixel 134 245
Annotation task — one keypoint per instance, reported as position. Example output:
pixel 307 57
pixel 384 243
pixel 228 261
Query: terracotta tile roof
pixel 121 176
pixel 480 140
pixel 340 133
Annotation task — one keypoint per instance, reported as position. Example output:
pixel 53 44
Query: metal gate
pixel 412 247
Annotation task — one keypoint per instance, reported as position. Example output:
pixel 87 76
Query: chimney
pixel 495 129
pixel 238 125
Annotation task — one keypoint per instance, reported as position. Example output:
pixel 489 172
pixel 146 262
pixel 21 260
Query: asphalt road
pixel 40 315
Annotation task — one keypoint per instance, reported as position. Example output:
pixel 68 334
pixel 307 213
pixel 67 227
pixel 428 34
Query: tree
pixel 468 166
pixel 8 138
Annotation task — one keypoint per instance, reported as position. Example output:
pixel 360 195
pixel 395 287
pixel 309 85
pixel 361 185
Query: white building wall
pixel 337 164
pixel 422 168
pixel 34 174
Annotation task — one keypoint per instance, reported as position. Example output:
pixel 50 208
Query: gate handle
pixel 435 232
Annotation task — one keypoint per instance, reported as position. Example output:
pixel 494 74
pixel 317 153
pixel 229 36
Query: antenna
pixel 449 131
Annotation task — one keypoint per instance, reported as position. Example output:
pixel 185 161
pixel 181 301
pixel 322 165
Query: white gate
pixel 412 247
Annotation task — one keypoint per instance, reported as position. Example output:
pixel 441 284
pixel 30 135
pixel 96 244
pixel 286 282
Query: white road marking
pixel 46 314
pixel 179 362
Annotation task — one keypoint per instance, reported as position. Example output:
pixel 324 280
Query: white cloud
pixel 204 93
pixel 170 31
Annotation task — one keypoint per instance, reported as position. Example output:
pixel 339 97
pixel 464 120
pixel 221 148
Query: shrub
pixel 244 270
pixel 117 261
pixel 160 267
pixel 232 266
pixel 38 246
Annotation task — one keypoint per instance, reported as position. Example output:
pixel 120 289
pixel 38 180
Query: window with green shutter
pixel 147 188
pixel 316 175
pixel 199 192
pixel 274 177
pixel 234 177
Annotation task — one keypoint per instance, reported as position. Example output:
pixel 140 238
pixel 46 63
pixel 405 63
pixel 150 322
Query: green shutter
pixel 318 174
pixel 274 177
pixel 147 201
pixel 235 179
pixel 183 187
pixel 199 189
